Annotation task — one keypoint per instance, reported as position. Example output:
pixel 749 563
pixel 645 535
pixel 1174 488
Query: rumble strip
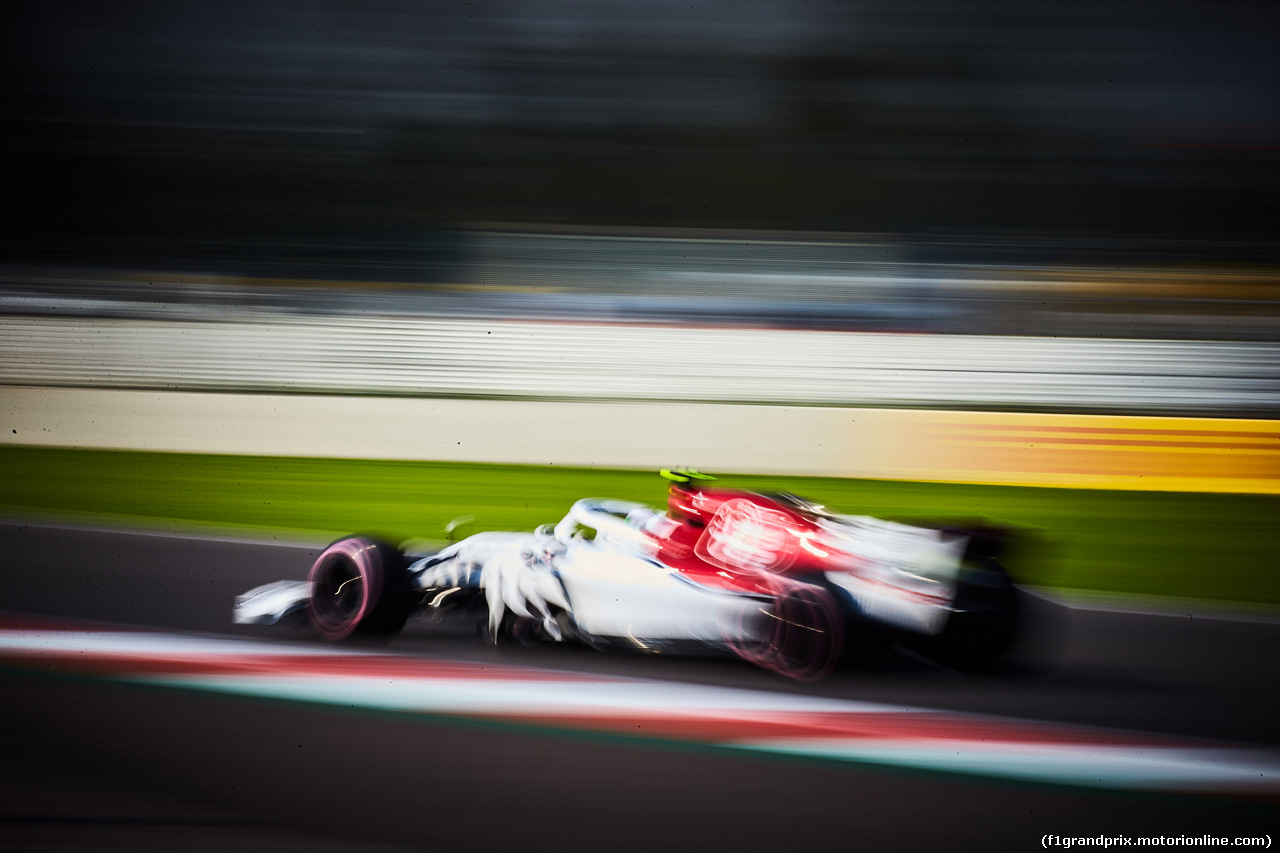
pixel 727 718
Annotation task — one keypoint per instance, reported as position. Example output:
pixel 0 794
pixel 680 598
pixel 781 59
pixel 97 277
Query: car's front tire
pixel 359 586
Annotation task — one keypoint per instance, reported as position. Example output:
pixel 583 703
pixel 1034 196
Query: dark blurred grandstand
pixel 137 118
pixel 374 141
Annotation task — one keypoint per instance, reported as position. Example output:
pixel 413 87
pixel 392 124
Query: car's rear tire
pixel 801 634
pixel 359 587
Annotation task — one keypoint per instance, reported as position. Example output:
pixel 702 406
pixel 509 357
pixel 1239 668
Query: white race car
pixel 771 578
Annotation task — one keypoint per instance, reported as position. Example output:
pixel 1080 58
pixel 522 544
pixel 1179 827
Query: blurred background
pixel 314 120
pixel 1101 170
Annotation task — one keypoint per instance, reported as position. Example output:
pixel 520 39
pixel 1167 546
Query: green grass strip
pixel 1216 546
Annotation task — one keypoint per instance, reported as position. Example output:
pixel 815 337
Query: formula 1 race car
pixel 772 578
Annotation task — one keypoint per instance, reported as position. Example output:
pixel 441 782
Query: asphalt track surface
pixel 96 765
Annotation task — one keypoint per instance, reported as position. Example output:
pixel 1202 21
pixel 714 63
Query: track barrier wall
pixel 1061 450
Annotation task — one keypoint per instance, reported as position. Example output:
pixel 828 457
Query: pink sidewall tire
pixel 804 638
pixel 359 586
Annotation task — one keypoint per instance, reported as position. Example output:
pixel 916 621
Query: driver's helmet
pixel 685 484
